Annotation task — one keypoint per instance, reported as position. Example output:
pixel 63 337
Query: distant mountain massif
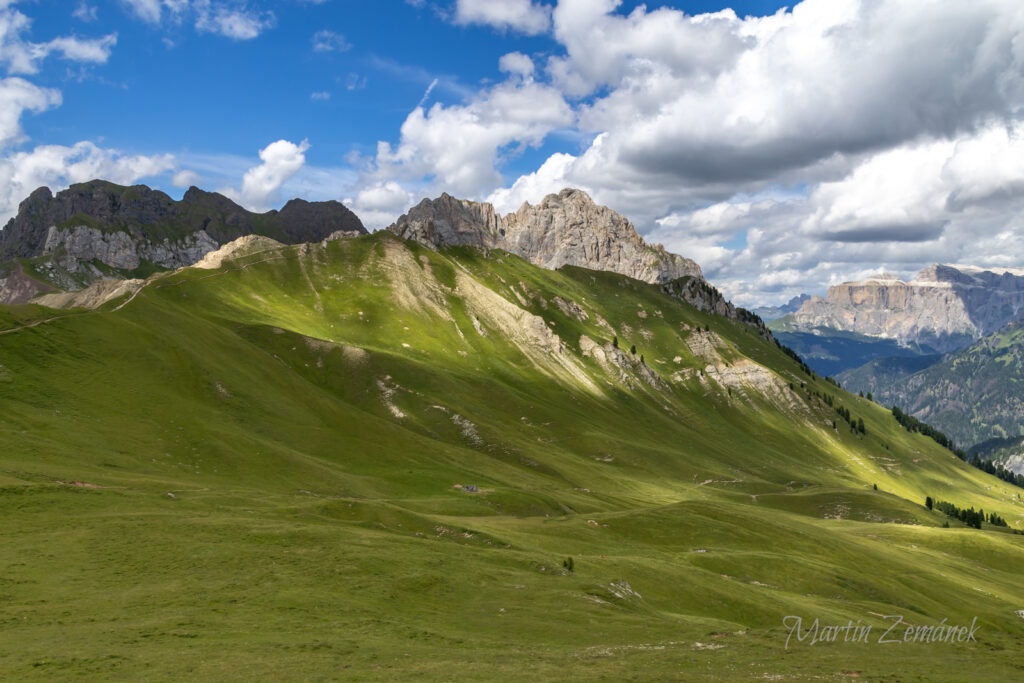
pixel 943 308
pixel 769 313
pixel 945 346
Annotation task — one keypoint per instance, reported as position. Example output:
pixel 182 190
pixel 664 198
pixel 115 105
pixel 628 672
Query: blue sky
pixel 169 88
pixel 784 151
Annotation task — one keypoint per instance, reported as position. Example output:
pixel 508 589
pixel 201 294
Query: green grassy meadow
pixel 266 471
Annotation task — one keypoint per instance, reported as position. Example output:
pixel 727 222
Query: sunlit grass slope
pixel 367 459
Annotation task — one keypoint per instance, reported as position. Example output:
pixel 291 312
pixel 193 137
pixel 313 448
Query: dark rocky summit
pixel 148 214
pixel 97 229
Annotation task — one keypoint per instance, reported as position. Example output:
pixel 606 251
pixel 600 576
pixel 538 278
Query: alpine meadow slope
pixel 371 459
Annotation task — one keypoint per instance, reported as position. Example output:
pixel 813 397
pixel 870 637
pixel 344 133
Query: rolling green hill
pixel 366 459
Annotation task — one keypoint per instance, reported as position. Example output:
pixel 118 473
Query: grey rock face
pixel 72 248
pixel 944 307
pixel 564 229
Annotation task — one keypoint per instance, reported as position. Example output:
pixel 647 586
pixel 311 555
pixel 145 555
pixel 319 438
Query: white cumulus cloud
pixel 237 23
pixel 260 184
pixel 518 15
pixel 22 56
pixel 828 138
pixel 185 178
pixel 457 148
pixel 379 204
pixel 516 63
pixel 938 200
pixel 85 12
pixel 17 96
pixel 58 166
pixel 147 10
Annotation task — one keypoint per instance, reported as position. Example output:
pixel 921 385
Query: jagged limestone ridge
pixel 567 228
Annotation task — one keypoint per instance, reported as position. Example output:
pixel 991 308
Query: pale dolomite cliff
pixel 943 307
pixel 567 228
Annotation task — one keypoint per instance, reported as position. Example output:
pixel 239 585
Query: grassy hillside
pixel 370 460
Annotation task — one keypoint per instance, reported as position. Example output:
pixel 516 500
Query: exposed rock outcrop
pixel 567 228
pixel 705 345
pixel 625 367
pixel 702 296
pixel 93 296
pixel 240 247
pixel 571 308
pixel 19 288
pixel 944 307
pixel 752 378
pixel 341 235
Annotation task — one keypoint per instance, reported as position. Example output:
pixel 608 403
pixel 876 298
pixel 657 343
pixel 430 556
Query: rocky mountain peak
pixel 567 228
pixel 98 229
pixel 569 195
pixel 194 194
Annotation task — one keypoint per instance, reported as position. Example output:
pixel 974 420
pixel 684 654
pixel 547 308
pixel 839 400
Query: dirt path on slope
pixel 220 271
